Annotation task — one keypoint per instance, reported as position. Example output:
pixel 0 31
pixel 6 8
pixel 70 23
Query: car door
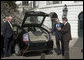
pixel 38 39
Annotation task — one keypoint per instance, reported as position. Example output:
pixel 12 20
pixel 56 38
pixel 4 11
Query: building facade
pixel 74 15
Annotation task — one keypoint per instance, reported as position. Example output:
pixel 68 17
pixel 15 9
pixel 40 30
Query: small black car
pixel 38 37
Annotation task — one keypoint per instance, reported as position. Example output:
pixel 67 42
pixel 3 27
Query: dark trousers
pixel 58 40
pixel 2 44
pixel 65 49
pixel 7 46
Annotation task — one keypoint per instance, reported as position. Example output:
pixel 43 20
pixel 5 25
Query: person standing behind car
pixel 8 35
pixel 66 35
pixel 2 38
pixel 58 35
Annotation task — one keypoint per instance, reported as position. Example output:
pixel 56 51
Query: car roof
pixel 35 13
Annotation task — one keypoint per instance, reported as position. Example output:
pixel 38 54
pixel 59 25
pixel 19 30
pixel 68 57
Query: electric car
pixel 32 35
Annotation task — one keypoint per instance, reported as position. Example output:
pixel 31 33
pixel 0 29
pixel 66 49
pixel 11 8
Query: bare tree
pixel 10 8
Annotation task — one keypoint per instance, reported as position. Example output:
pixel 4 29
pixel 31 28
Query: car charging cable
pixel 26 39
pixel 25 50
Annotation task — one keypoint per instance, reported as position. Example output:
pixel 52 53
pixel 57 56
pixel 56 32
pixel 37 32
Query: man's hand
pixel 49 31
pixel 59 28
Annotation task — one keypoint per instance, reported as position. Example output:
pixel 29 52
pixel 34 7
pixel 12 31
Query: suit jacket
pixel 66 32
pixel 57 33
pixel 7 31
pixel 2 26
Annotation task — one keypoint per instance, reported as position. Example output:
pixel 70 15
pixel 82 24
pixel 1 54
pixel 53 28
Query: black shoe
pixel 6 55
pixel 59 53
pixel 2 56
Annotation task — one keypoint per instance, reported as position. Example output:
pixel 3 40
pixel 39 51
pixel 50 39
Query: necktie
pixel 11 26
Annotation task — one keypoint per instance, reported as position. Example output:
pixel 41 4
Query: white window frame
pixel 77 1
pixel 25 3
pixel 51 2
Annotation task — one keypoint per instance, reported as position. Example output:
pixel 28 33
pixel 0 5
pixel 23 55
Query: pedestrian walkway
pixel 75 42
pixel 76 45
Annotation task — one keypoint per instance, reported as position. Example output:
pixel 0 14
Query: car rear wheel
pixel 48 51
pixel 17 50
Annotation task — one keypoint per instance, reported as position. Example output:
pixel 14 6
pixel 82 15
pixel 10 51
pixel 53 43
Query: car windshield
pixel 34 20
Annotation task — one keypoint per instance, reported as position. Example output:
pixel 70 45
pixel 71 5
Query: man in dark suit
pixel 8 35
pixel 58 35
pixel 2 38
pixel 66 35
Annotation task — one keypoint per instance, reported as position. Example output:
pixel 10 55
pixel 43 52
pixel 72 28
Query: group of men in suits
pixel 7 36
pixel 63 34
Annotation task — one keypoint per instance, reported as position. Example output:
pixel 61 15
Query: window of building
pixel 80 25
pixel 49 2
pixel 81 20
pixel 25 3
pixel 53 2
pixel 57 2
pixel 30 4
pixel 78 1
pixel 34 3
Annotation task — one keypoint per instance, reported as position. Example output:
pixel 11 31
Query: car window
pixel 34 20
pixel 47 22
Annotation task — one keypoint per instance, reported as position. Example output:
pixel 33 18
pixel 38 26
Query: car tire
pixel 17 50
pixel 47 51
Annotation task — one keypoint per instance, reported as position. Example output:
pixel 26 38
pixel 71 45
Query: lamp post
pixel 65 10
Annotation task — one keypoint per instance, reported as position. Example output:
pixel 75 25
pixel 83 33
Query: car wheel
pixel 48 51
pixel 17 50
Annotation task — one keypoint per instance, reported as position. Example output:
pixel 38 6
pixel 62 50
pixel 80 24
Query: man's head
pixel 57 20
pixel 10 18
pixel 64 20
pixel 5 18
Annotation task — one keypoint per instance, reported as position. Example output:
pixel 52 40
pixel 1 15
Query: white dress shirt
pixel 65 23
pixel 10 25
